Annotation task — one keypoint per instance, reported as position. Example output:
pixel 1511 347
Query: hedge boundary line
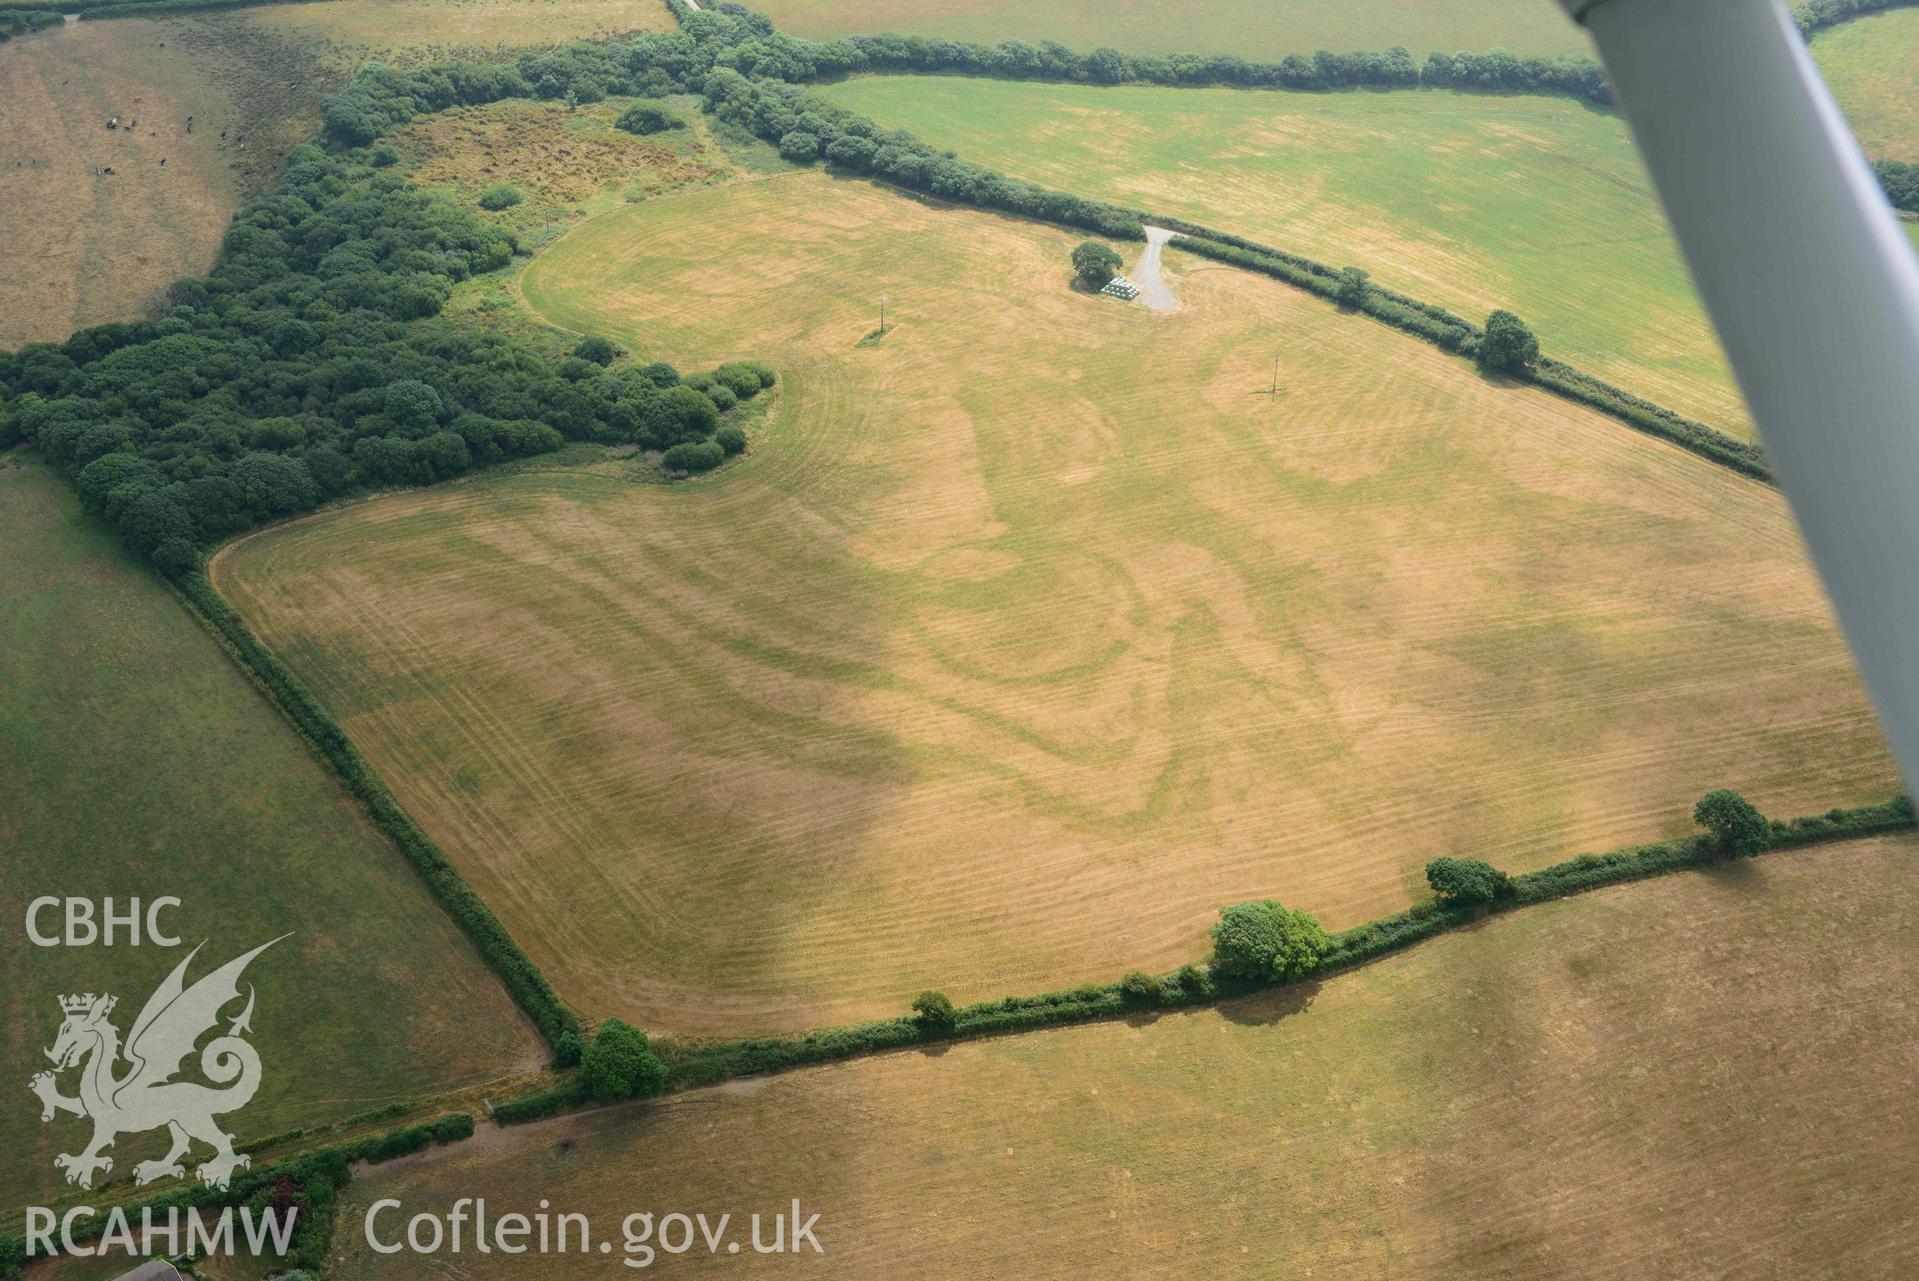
pixel 1811 18
pixel 751 104
pixel 1195 985
pixel 162 8
pixel 320 1174
pixel 1452 334
pixel 1822 15
pixel 523 979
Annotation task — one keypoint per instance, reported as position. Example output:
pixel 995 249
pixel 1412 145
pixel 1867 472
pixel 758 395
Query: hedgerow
pixel 1817 15
pixel 20 22
pixel 1901 183
pixel 161 8
pixel 777 112
pixel 522 978
pixel 308 1184
pixel 1454 334
pixel 1745 457
pixel 693 1066
pixel 569 1095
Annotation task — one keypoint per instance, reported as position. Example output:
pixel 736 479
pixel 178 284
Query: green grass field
pixel 1703 1075
pixel 1471 202
pixel 1020 641
pixel 135 760
pixel 1872 64
pixel 1254 29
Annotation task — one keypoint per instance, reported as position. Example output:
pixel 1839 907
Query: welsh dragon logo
pixel 146 1096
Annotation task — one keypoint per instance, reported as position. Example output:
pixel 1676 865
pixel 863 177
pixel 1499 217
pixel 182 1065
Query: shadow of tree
pixel 1266 1008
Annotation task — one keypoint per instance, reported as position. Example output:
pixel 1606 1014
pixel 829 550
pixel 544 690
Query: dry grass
pixel 1021 641
pixel 1256 29
pixel 85 247
pixel 558 156
pixel 1469 201
pixel 405 32
pixel 1704 1076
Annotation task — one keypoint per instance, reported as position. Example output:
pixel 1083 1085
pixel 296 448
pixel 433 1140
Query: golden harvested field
pixel 413 31
pixel 1024 639
pixel 1703 1076
pixel 85 247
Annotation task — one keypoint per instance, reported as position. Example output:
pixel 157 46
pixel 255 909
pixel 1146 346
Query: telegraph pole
pixel 1275 376
pixel 882 315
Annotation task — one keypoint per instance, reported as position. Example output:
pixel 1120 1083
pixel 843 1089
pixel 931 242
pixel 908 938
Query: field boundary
pixel 317 1177
pixel 555 1022
pixel 1497 72
pixel 1193 985
pixel 320 1174
pixel 1458 337
pixel 753 106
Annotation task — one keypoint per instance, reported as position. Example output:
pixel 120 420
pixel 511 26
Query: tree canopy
pixel 309 365
pixel 1267 941
pixel 1462 881
pixel 934 1012
pixel 1508 346
pixel 1736 826
pixel 648 117
pixel 1096 264
pixel 1354 285
pixel 620 1064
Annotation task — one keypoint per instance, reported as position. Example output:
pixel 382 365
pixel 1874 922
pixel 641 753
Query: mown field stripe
pixel 1420 320
pixel 523 979
pixel 695 1067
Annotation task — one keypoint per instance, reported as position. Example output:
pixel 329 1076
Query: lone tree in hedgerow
pixel 1508 346
pixel 1461 881
pixel 619 1064
pixel 1266 941
pixel 1354 286
pixel 935 1013
pixel 1736 826
pixel 1096 264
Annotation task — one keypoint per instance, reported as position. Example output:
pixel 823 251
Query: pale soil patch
pixel 1701 1075
pixel 1024 639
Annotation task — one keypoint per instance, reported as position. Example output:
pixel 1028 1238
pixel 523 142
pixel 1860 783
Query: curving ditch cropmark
pixel 1153 292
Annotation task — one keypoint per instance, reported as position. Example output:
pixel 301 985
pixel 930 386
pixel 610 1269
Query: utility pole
pixel 882 315
pixel 1275 376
